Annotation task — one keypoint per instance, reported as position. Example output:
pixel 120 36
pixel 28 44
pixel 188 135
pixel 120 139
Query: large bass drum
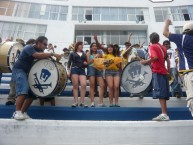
pixel 9 53
pixel 136 78
pixel 47 78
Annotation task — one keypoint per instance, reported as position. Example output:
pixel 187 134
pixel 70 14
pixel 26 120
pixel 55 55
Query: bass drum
pixel 47 78
pixel 136 78
pixel 9 53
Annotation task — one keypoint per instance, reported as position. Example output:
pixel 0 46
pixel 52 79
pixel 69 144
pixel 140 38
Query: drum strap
pixel 161 51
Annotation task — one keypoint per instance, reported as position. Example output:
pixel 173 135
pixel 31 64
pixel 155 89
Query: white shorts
pixel 188 84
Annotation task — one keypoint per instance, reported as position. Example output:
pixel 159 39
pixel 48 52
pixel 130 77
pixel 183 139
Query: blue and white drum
pixel 47 78
pixel 9 53
pixel 136 78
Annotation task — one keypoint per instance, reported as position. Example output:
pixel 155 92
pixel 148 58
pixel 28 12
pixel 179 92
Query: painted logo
pixel 41 82
pixel 136 76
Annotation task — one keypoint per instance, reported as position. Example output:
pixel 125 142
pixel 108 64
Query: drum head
pixel 43 78
pixel 9 53
pixel 136 78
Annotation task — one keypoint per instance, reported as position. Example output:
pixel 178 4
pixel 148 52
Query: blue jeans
pixel 91 71
pixel 20 78
pixel 175 86
pixel 160 86
pixel 113 73
pixel 78 71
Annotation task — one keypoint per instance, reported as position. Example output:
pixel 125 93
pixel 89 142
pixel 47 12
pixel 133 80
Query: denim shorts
pixel 20 78
pixel 113 73
pixel 91 71
pixel 160 86
pixel 78 71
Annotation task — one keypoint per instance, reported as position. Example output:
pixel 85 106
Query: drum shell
pixel 60 78
pixel 134 85
pixel 6 60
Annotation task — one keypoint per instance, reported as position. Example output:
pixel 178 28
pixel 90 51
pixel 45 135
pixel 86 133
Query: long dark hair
pixel 77 44
pixel 117 50
pixel 91 52
pixel 112 46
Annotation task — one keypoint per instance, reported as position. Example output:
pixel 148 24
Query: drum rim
pixel 9 55
pixel 50 94
pixel 58 75
pixel 141 93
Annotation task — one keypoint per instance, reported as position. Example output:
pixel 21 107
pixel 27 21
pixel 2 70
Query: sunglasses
pixel 166 44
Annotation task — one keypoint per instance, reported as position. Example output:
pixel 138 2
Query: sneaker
pixel 26 115
pixel 9 103
pixel 101 105
pixel 161 117
pixel 74 105
pixel 111 105
pixel 83 105
pixel 18 115
pixel 92 104
pixel 116 105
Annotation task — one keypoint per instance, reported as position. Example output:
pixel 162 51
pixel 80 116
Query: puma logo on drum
pixel 45 74
pixel 136 75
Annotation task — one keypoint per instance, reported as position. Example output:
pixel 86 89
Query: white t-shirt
pixel 172 55
pixel 48 51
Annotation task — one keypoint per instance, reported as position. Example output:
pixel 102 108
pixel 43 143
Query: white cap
pixel 188 27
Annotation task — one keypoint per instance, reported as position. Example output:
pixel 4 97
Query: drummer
pixel 19 75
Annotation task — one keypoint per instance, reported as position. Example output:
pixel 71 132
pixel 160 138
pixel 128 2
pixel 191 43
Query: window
pixel 110 14
pixel 22 10
pixel 184 13
pixel 88 14
pixel 176 14
pixel 63 13
pixel 111 37
pixel 161 14
pixel 33 10
pixel 178 30
pixel 105 14
pixel 21 30
pixel 7 8
pixel 190 10
pixel 87 40
pixel 96 14
pixel 54 10
pixel 122 14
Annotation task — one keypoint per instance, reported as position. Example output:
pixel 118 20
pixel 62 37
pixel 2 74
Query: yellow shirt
pixel 108 57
